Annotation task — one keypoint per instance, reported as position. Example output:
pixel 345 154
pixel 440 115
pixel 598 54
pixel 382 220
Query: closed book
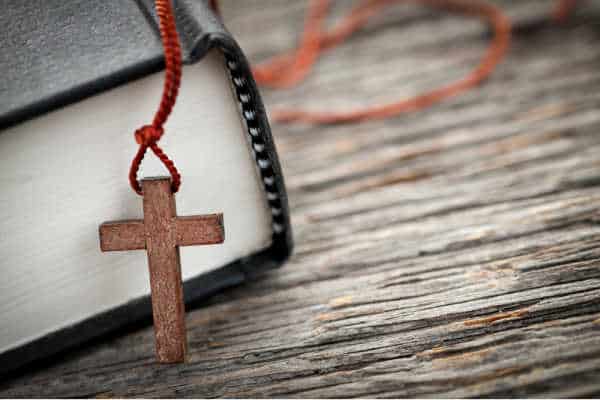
pixel 78 77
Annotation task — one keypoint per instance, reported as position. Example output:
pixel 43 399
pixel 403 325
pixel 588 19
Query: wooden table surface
pixel 451 252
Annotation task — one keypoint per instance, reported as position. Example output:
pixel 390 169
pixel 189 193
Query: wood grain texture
pixel 123 236
pixel 168 309
pixel 449 253
pixel 200 229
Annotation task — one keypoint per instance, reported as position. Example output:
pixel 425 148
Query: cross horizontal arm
pixel 123 235
pixel 203 229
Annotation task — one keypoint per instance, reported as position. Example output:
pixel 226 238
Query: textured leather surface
pixel 54 52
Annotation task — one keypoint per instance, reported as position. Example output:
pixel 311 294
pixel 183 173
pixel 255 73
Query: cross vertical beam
pixel 168 308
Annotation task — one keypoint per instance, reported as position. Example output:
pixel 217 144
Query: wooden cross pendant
pixel 161 233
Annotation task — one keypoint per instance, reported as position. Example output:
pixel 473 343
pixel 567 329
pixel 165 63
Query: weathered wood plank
pixel 453 252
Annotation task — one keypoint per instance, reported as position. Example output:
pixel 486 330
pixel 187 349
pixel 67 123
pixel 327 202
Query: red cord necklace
pixel 148 135
pixel 290 69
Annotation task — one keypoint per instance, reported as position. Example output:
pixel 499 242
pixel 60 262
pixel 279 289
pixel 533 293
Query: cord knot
pixel 148 135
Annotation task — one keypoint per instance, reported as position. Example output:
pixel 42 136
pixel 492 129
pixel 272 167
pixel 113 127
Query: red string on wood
pixel 291 68
pixel 148 135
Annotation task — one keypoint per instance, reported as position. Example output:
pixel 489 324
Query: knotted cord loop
pixel 149 135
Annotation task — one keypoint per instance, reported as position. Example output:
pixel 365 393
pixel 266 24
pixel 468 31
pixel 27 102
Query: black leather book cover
pixel 57 52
